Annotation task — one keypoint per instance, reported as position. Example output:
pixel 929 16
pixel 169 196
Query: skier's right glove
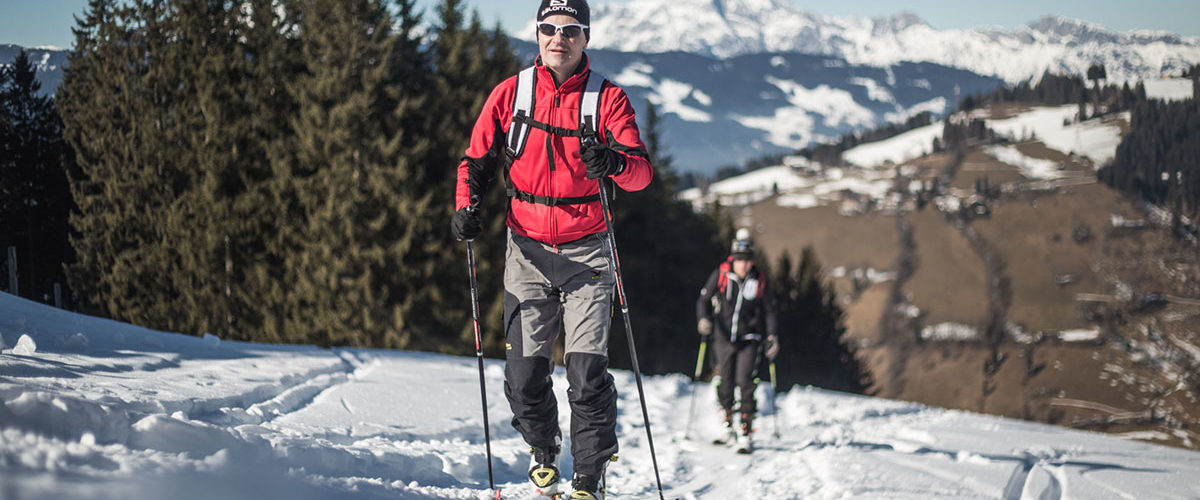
pixel 466 224
pixel 704 327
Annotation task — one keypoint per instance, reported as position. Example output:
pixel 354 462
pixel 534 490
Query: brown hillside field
pixel 1035 232
pixel 864 241
pixel 978 165
pixel 1137 373
pixel 949 284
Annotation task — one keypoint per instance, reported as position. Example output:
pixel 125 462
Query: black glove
pixel 601 160
pixel 771 348
pixel 466 224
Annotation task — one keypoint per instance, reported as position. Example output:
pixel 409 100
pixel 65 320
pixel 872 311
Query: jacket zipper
pixel 550 162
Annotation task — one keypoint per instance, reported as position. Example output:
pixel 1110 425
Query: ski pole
pixel 615 263
pixel 695 378
pixel 774 407
pixel 487 435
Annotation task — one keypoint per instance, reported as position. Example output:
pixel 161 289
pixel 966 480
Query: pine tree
pixel 468 62
pixel 811 325
pixel 335 260
pixel 110 121
pixel 1096 73
pixel 9 182
pixel 256 290
pixel 34 197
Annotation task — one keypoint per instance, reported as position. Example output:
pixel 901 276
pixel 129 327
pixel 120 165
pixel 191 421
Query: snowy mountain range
pixel 727 28
pixel 722 112
pixel 739 79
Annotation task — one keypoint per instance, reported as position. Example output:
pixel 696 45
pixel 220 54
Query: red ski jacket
pixel 551 199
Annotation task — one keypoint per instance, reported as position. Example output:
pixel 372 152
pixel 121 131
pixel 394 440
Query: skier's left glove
pixel 601 160
pixel 466 224
pixel 771 348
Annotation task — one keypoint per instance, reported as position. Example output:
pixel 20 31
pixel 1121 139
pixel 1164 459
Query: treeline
pixel 1055 90
pixel 35 200
pixel 272 170
pixel 1159 160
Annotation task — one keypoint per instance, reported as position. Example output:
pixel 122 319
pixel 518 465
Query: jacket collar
pixel 575 82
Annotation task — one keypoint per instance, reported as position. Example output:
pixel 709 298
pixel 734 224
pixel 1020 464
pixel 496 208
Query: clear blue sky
pixel 49 22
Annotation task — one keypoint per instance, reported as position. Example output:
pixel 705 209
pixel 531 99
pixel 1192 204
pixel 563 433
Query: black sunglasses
pixel 567 30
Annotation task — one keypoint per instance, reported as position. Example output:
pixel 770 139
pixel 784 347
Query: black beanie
pixel 574 8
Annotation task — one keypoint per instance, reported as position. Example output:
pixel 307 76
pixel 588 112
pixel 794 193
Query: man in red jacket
pixel 557 279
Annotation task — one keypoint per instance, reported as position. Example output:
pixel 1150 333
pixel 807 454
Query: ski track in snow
pixel 131 414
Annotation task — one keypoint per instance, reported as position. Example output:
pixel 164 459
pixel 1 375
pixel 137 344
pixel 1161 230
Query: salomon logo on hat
pixel 577 9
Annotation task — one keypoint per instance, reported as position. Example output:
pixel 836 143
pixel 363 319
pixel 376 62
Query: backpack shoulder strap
pixel 723 277
pixel 518 132
pixel 589 106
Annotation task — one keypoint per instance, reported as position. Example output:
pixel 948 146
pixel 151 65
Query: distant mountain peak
pixel 899 22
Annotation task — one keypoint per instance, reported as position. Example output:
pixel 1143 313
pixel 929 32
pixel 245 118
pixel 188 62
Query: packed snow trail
pixel 94 409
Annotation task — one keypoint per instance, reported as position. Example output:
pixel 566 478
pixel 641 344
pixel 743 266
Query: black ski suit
pixel 743 314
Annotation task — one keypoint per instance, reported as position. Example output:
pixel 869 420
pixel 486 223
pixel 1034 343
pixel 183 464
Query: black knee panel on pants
pixel 530 395
pixel 593 398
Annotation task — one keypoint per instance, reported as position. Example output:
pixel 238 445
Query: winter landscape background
pixel 999 275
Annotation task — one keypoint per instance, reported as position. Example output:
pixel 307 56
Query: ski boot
pixel 543 471
pixel 588 487
pixel 728 435
pixel 742 440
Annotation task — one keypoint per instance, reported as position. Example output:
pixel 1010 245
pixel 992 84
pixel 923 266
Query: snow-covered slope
pixel 94 409
pixel 1096 139
pixel 870 174
pixel 726 28
pixel 904 147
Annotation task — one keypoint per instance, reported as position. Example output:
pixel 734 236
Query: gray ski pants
pixel 550 291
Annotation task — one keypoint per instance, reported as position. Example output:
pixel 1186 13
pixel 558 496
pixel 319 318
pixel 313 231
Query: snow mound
pixel 25 346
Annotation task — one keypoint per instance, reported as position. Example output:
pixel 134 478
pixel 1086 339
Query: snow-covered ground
pixel 798 183
pixel 94 409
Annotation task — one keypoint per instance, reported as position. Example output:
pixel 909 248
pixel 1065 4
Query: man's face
pixel 560 53
pixel 741 266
